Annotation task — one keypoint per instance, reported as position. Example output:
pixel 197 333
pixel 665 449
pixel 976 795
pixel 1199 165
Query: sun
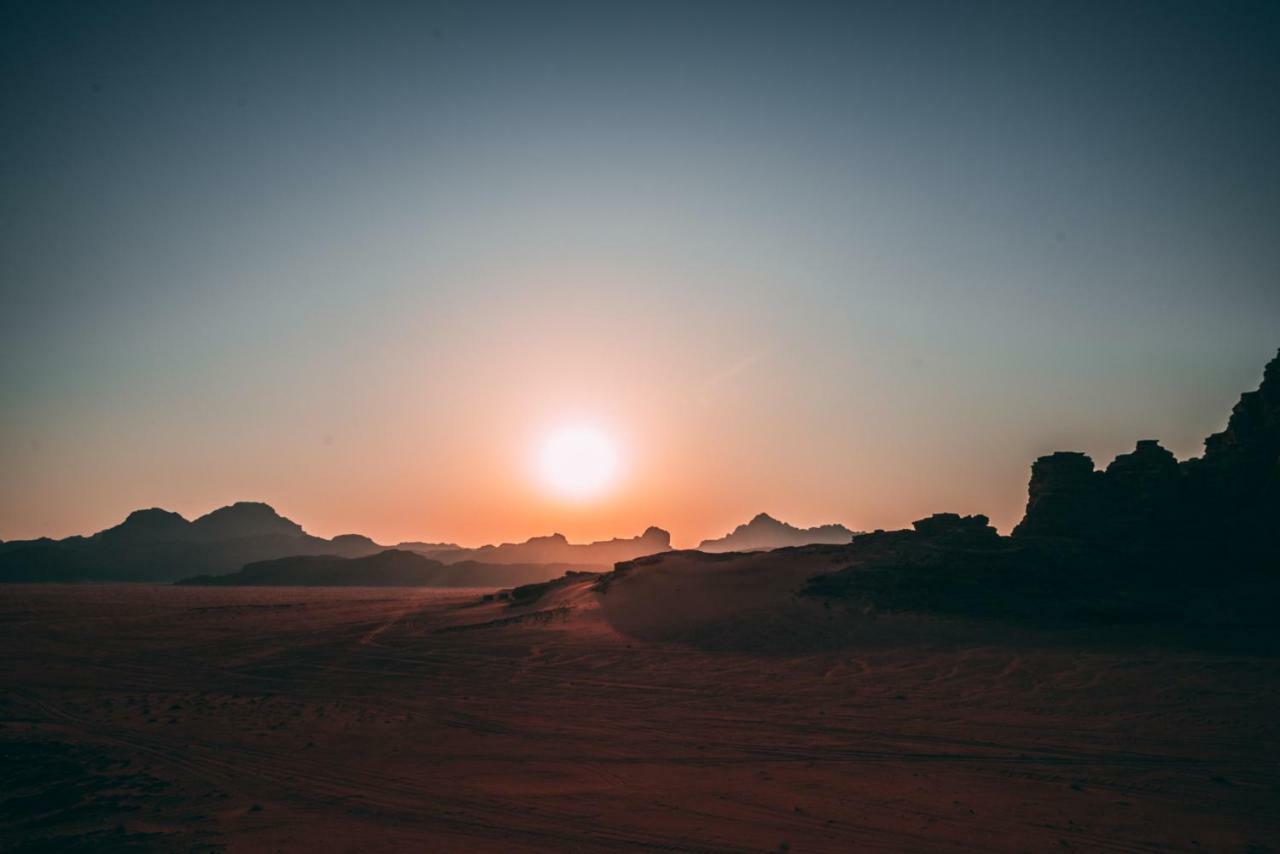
pixel 578 461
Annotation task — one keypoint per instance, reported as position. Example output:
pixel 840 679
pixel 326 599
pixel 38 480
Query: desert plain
pixel 141 717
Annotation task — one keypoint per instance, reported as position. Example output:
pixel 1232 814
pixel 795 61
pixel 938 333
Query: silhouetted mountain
pixel 245 519
pixel 427 548
pixel 389 568
pixel 148 526
pixel 765 532
pixel 354 545
pixel 158 545
pixel 557 549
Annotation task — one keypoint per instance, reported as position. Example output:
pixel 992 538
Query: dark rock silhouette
pixel 1146 505
pixel 1062 495
pixel 1147 539
pixel 1132 501
pixel 1234 488
pixel 245 519
pixel 764 532
pixel 159 545
pixel 144 526
pixel 957 528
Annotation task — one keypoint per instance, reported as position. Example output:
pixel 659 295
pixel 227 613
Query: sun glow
pixel 578 461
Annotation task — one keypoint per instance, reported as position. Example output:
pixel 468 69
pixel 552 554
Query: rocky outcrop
pixel 1250 444
pixel 957 529
pixel 1146 503
pixel 1137 495
pixel 1145 540
pixel 946 563
pixel 1143 496
pixel 1062 498
pixel 1237 481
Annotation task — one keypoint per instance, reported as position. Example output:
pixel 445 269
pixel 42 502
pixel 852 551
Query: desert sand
pixel 139 717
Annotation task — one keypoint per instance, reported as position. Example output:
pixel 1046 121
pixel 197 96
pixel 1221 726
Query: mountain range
pixel 157 545
pixel 764 532
pixel 1145 524
pixel 555 548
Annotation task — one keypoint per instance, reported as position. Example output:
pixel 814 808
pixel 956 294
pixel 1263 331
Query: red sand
pixel 346 720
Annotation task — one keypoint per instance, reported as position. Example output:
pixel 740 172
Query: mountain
pixel 555 548
pixel 427 548
pixel 148 526
pixel 244 519
pixel 389 568
pixel 765 532
pixel 159 545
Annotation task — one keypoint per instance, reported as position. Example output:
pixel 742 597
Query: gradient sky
pixel 847 262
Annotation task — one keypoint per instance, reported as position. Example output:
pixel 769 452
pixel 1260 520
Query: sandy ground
pixel 173 719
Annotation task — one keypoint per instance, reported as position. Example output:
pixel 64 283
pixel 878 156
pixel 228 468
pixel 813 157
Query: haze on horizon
pixel 849 263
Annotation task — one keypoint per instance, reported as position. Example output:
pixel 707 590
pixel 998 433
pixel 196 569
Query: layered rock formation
pixel 1062 498
pixel 954 528
pixel 1136 497
pixel 1235 486
pixel 1147 539
pixel 1147 503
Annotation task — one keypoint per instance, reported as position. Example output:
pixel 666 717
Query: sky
pixel 842 262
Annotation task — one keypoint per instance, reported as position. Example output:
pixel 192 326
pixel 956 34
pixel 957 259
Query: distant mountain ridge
pixel 764 533
pixel 555 548
pixel 158 545
pixel 235 521
pixel 426 548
